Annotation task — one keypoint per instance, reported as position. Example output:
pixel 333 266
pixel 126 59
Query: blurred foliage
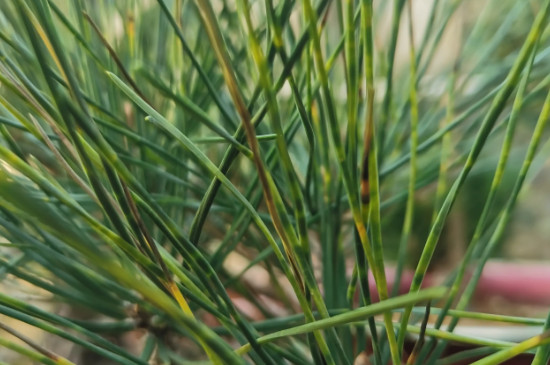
pixel 187 181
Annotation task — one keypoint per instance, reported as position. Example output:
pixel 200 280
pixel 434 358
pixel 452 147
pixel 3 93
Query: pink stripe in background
pixel 523 282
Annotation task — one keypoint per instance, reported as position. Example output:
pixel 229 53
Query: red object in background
pixel 526 283
pixel 516 283
pixel 523 282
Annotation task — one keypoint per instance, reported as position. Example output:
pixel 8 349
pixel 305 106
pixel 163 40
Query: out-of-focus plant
pixel 217 178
